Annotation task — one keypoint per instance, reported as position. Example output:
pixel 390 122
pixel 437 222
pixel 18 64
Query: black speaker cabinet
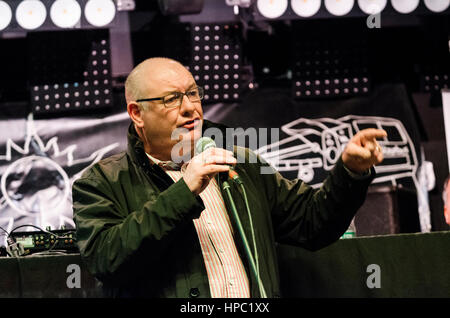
pixel 388 210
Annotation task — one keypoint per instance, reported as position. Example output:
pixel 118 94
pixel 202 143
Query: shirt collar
pixel 166 165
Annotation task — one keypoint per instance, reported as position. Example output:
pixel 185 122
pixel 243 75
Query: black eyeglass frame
pixel 200 89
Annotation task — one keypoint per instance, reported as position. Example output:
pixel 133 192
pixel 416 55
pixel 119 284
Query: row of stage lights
pixel 31 14
pixel 307 8
pixel 330 88
pixel 83 83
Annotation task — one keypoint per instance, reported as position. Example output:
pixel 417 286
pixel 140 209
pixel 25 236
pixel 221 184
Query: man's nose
pixel 187 107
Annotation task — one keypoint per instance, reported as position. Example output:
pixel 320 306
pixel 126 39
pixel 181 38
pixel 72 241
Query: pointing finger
pixel 379 158
pixel 372 134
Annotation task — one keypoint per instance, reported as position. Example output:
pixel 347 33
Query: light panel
pixel 217 61
pixel 336 66
pixel 272 8
pixel 100 12
pixel 72 76
pixel 434 82
pixel 372 6
pixel 437 5
pixel 5 15
pixel 305 8
pixel 65 13
pixel 31 14
pixel 339 7
pixel 405 6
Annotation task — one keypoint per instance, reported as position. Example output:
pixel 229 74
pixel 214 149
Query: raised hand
pixel 363 151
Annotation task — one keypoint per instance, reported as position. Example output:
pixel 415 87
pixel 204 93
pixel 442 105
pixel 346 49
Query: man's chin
pixel 185 147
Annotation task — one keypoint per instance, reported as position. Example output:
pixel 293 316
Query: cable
pixel 49 251
pixel 14 249
pixel 40 229
pixel 235 177
pixel 226 188
pixel 261 288
pixel 54 244
pixel 4 230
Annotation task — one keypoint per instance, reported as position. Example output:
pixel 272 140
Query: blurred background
pixel 315 71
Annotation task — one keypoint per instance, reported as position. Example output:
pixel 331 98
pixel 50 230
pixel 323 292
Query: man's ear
pixel 136 113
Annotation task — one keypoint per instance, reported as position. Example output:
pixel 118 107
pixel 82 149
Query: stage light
pixel 76 78
pixel 405 6
pixel 434 82
pixel 305 8
pixel 216 60
pixel 100 12
pixel 31 14
pixel 272 8
pixel 65 13
pixel 437 5
pixel 5 15
pixel 372 6
pixel 339 7
pixel 334 67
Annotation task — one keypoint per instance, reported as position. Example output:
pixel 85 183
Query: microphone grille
pixel 204 143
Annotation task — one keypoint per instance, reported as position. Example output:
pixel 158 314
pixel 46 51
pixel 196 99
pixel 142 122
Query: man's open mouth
pixel 191 124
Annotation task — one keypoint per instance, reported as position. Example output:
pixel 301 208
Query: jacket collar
pixel 137 155
pixel 135 147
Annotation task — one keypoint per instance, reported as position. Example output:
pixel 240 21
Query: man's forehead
pixel 155 67
pixel 170 75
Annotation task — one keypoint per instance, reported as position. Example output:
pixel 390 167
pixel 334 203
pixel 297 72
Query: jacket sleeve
pixel 118 244
pixel 314 218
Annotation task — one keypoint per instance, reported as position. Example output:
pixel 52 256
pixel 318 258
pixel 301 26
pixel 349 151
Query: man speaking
pixel 149 225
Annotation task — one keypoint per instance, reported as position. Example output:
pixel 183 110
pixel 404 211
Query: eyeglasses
pixel 175 99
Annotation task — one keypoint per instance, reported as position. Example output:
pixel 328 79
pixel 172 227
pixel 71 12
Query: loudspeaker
pixel 388 210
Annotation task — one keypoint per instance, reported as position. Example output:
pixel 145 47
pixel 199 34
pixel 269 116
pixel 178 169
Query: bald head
pixel 147 72
pixel 153 120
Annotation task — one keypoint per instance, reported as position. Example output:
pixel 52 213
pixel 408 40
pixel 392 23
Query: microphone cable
pixel 202 144
pixel 253 265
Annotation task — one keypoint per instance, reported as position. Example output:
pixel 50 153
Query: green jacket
pixel 136 235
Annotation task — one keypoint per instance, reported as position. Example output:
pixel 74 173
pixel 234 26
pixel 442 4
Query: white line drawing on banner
pixel 2 202
pixel 24 165
pixel 318 144
pixel 308 137
pixel 53 196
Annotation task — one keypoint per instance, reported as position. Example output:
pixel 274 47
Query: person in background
pixel 446 198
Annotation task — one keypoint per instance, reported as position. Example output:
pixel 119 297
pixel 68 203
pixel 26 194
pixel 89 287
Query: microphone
pixel 205 143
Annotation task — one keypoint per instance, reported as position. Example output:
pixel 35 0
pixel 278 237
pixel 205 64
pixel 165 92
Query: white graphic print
pixel 36 187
